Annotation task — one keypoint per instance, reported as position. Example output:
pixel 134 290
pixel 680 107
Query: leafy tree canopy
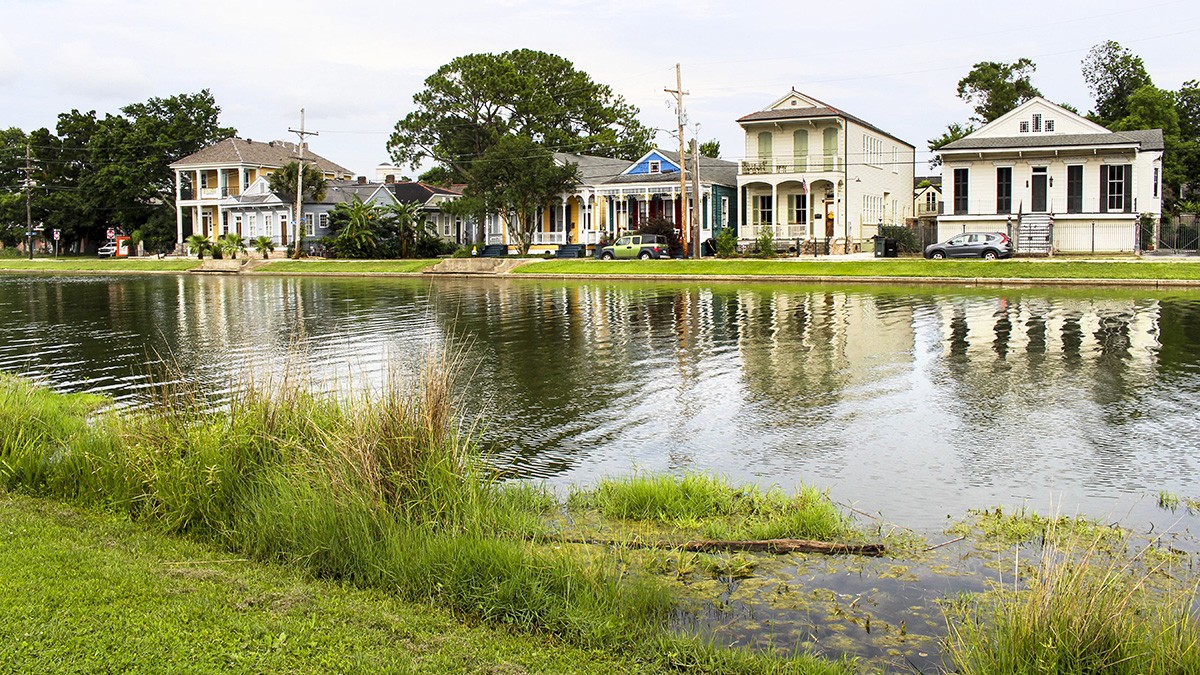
pixel 1150 108
pixel 996 88
pixel 711 148
pixel 1112 74
pixel 283 182
pixel 1187 108
pixel 953 133
pixel 474 101
pixel 515 177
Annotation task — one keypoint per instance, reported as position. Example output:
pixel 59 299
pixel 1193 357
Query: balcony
pixel 927 210
pixel 219 193
pixel 809 164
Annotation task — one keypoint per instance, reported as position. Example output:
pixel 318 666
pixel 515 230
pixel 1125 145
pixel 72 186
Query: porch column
pixel 775 209
pixel 178 208
pixel 566 229
pixel 241 179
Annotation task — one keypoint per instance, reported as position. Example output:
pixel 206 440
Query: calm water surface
pixel 910 403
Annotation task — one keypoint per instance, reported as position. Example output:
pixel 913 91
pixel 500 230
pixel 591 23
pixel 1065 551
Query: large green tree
pixel 953 132
pixel 283 182
pixel 1113 74
pixel 994 88
pixel 516 177
pixel 473 101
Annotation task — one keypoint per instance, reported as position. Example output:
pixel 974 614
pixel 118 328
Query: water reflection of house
pixel 805 349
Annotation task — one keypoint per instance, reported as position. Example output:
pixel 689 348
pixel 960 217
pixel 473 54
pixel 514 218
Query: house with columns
pixel 209 185
pixel 818 176
pixel 1053 181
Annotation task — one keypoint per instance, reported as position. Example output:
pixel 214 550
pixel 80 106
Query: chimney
pixel 362 180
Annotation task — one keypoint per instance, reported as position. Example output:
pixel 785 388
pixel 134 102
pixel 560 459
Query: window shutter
pixel 1128 175
pixel 1103 188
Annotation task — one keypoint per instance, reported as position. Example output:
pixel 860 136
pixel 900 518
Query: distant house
pixel 258 211
pixel 206 180
pixel 814 172
pixel 450 227
pixel 927 196
pixel 1053 180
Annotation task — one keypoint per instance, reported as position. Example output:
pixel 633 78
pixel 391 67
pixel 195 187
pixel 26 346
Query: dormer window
pixel 1037 122
pixel 655 166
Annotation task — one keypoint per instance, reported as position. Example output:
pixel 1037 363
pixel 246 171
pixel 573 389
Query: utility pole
pixel 698 218
pixel 28 208
pixel 685 227
pixel 299 182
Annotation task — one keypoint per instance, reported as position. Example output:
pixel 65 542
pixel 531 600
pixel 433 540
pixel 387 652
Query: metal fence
pixel 1180 233
pixel 1102 237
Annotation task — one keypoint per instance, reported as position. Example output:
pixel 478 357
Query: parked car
pixel 107 250
pixel 643 246
pixel 986 245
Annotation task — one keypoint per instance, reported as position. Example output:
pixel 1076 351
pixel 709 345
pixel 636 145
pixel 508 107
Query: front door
pixel 1039 190
pixel 829 220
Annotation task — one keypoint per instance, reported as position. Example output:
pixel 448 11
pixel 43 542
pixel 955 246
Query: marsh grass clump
pixel 1026 526
pixel 714 509
pixel 1081 610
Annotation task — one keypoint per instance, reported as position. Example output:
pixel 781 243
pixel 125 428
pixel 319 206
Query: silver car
pixel 986 245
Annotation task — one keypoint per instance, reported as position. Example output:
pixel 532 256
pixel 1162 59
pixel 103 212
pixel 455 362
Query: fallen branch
pixel 944 543
pixel 777 546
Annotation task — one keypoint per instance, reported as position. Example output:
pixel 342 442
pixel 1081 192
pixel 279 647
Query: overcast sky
pixel 355 66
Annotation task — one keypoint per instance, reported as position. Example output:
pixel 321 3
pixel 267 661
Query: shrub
pixel 906 238
pixel 766 241
pixel 726 243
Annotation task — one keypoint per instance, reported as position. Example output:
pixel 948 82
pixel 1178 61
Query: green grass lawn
pixel 347 266
pixel 93 264
pixel 86 591
pixel 900 268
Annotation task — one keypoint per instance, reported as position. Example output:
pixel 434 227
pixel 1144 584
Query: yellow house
pixel 225 169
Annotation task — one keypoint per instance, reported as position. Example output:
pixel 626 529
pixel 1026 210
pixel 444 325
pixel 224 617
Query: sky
pixel 354 67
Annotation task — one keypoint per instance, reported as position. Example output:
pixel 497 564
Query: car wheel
pixel 990 255
pixel 937 255
pixel 645 255
pixel 606 256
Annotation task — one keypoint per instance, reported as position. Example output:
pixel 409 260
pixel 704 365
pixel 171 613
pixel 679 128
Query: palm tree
pixel 233 242
pixel 359 235
pixel 263 245
pixel 199 244
pixel 411 226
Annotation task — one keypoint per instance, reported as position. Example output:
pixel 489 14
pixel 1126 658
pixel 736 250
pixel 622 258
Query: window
pixel 1075 189
pixel 308 225
pixel 872 209
pixel 1156 181
pixel 1004 189
pixel 762 210
pixel 829 142
pixel 799 207
pixel 765 143
pixel 1049 125
pixel 323 221
pixel 237 223
pixel 1024 127
pixel 446 223
pixel 1112 188
pixel 895 159
pixel 724 212
pixel 872 150
pixel 1037 122
pixel 654 166
pixel 203 180
pixel 267 223
pixel 960 191
pixel 252 225
pixel 930 201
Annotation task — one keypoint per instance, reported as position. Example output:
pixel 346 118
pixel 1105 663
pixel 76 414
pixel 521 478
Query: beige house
pixel 820 176
pixel 208 183
pixel 1053 181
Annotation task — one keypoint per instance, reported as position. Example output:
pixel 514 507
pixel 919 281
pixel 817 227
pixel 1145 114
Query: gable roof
pixel 1073 130
pixel 407 192
pixel 712 170
pixel 814 110
pixel 593 170
pixel 241 151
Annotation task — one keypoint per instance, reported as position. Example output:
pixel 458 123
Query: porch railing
pixel 549 238
pixel 807 164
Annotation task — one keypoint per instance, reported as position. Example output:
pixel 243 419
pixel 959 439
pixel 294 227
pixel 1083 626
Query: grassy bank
pixel 375 491
pixel 321 266
pixel 92 264
pixel 898 268
pixel 83 590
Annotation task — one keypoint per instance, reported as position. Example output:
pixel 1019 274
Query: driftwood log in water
pixel 752 545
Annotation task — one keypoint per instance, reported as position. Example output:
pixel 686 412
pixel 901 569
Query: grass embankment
pixel 898 268
pixel 375 491
pixel 321 266
pixel 92 264
pixel 83 590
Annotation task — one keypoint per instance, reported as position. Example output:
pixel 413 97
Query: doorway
pixel 1039 190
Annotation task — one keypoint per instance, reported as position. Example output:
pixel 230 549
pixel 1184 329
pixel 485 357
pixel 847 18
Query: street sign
pixel 56 233
pixel 111 233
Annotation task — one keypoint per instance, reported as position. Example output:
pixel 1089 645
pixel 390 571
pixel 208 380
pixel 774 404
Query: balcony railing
pixel 809 164
pixel 219 193
pixel 781 231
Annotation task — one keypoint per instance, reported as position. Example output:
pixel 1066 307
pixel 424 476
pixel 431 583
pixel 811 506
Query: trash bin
pixel 880 245
pixel 891 248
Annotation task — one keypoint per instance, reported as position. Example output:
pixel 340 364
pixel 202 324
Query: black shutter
pixel 1128 169
pixel 1103 188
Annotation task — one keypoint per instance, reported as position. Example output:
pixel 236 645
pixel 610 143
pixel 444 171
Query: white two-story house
pixel 813 173
pixel 1053 181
